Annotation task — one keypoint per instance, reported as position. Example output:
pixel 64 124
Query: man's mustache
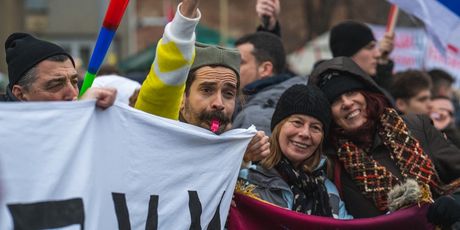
pixel 218 115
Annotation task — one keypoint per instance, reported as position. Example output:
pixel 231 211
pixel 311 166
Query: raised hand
pixel 445 211
pixel 189 8
pixel 386 46
pixel 270 9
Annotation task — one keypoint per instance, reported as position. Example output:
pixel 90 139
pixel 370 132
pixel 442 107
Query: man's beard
pixel 223 120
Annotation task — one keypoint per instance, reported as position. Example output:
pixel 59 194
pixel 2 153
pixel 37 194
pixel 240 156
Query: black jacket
pixel 8 96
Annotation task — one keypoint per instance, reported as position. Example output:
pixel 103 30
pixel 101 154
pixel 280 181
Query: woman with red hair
pixel 376 149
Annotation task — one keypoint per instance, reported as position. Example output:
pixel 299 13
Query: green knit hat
pixel 209 55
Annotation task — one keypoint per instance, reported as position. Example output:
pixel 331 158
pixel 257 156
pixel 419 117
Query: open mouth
pixel 299 144
pixel 353 114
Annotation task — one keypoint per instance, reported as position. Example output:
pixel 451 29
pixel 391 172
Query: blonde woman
pixel 294 174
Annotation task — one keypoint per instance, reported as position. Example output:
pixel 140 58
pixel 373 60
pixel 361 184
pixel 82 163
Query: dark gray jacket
pixel 259 107
pixel 8 96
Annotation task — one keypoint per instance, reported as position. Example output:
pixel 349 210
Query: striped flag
pixel 109 27
pixel 441 19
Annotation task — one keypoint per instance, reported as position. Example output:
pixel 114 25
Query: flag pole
pixel 110 25
pixel 392 18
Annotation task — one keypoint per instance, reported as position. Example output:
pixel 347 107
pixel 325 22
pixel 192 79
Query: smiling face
pixel 212 96
pixel 299 138
pixel 349 110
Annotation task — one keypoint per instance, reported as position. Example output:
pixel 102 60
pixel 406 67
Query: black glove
pixel 445 211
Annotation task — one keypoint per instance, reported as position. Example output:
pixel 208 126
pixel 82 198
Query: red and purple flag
pixel 441 19
pixel 253 214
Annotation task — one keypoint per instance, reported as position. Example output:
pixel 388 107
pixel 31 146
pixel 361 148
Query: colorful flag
pixel 441 19
pixel 109 27
pixel 250 213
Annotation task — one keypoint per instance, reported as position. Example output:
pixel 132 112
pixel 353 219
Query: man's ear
pixel 19 92
pixel 182 103
pixel 265 69
pixel 401 105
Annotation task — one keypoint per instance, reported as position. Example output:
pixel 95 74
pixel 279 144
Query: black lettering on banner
pixel 194 206
pixel 121 210
pixel 215 222
pixel 152 215
pixel 48 214
pixel 63 213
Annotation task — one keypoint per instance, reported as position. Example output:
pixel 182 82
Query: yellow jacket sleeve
pixel 162 91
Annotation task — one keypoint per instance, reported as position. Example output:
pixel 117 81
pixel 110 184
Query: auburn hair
pixel 364 135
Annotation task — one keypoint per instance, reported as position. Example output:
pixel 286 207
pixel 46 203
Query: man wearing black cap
pixel 42 71
pixel 355 40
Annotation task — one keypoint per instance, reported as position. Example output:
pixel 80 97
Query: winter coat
pixel 453 134
pixel 444 155
pixel 262 96
pixel 8 96
pixel 384 75
pixel 271 187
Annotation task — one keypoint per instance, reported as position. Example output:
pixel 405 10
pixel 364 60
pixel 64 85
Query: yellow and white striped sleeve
pixel 162 91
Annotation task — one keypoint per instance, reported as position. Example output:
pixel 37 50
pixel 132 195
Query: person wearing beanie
pixel 377 149
pixel 42 71
pixel 355 40
pixel 293 175
pixel 195 83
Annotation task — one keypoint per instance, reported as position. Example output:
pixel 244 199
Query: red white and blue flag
pixel 441 19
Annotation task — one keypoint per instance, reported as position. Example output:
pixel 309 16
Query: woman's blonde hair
pixel 276 154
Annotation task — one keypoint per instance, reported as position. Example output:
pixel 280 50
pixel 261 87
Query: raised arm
pixel 268 11
pixel 161 93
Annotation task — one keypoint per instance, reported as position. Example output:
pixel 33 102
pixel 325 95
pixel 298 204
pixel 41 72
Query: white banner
pixel 412 50
pixel 68 165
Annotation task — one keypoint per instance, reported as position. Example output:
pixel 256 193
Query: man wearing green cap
pixel 195 84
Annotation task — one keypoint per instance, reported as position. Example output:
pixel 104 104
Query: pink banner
pixel 253 214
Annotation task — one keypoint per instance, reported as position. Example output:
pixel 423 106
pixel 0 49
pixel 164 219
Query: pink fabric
pixel 253 214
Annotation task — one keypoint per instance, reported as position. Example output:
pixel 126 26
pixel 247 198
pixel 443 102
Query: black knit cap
pixel 303 99
pixel 23 52
pixel 335 84
pixel 348 37
pixel 340 75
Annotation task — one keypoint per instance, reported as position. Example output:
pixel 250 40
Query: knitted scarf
pixel 373 179
pixel 309 191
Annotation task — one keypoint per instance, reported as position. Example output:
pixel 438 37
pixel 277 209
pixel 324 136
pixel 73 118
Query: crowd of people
pixel 331 144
